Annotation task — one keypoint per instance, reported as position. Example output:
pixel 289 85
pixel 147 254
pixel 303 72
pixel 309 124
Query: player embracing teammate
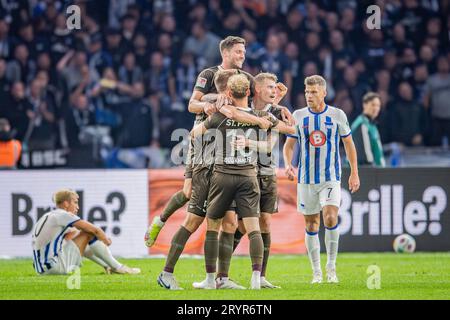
pixel 216 182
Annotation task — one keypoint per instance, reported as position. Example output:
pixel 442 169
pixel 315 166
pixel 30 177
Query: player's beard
pixel 237 64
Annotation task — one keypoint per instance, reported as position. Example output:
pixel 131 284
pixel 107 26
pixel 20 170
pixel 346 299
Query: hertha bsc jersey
pixel 48 236
pixel 318 136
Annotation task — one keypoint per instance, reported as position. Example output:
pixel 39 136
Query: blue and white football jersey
pixel 48 236
pixel 318 136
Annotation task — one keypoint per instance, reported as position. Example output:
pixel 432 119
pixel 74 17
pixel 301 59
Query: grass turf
pixel 403 276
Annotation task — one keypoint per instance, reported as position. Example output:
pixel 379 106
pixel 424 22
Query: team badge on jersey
pixel 317 138
pixel 201 82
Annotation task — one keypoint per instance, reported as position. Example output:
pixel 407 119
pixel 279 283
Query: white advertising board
pixel 115 200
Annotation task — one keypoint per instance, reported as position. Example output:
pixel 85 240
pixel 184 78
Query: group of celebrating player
pixel 230 180
pixel 230 174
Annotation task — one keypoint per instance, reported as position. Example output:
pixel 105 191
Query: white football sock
pixel 313 247
pixel 102 251
pixel 88 253
pixel 332 244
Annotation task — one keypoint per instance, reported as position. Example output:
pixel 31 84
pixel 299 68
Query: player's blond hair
pixel 260 77
pixel 238 85
pixel 229 42
pixel 64 195
pixel 221 79
pixel 315 79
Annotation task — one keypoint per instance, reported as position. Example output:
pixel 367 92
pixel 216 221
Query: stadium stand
pixel 120 84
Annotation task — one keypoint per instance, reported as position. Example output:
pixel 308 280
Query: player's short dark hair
pixel 315 80
pixel 369 96
pixel 229 42
pixel 221 79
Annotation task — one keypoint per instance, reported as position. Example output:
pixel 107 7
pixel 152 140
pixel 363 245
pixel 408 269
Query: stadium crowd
pixel 125 78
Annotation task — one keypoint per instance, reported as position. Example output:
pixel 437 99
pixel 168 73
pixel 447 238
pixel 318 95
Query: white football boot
pixel 227 283
pixel 265 284
pixel 331 275
pixel 168 281
pixel 317 278
pixel 205 284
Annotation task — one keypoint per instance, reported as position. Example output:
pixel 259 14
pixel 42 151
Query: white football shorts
pixel 311 198
pixel 68 260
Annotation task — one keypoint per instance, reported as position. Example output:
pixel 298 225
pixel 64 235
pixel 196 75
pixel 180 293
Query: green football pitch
pixel 400 276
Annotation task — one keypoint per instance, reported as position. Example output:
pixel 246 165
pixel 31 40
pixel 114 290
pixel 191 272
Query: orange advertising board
pixel 288 228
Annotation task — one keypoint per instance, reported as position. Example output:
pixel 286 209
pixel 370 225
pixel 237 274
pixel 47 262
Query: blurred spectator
pixel 293 53
pixel 129 72
pixel 10 149
pixel 18 110
pixel 129 25
pixel 342 55
pixel 399 40
pixel 6 46
pixel 115 47
pixel 157 47
pixel 184 77
pixel 313 22
pixel 5 86
pixel 44 63
pixel 165 47
pixel 61 38
pixel 141 51
pixel 161 94
pixel 70 68
pixel 275 61
pixel 427 56
pixel 312 46
pixel 414 17
pixel 169 25
pixel 117 8
pixel 293 26
pixel 254 51
pixel 408 61
pixel 420 80
pixel 437 97
pixel 407 117
pixel 204 45
pixel 99 59
pixel 356 87
pixel 21 68
pixel 365 133
pixel 79 116
pixel 41 133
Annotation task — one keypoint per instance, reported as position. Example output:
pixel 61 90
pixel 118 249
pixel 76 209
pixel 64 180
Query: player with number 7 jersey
pixel 319 129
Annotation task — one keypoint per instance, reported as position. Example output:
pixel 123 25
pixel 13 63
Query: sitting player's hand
pixel 290 173
pixel 107 241
pixel 353 183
